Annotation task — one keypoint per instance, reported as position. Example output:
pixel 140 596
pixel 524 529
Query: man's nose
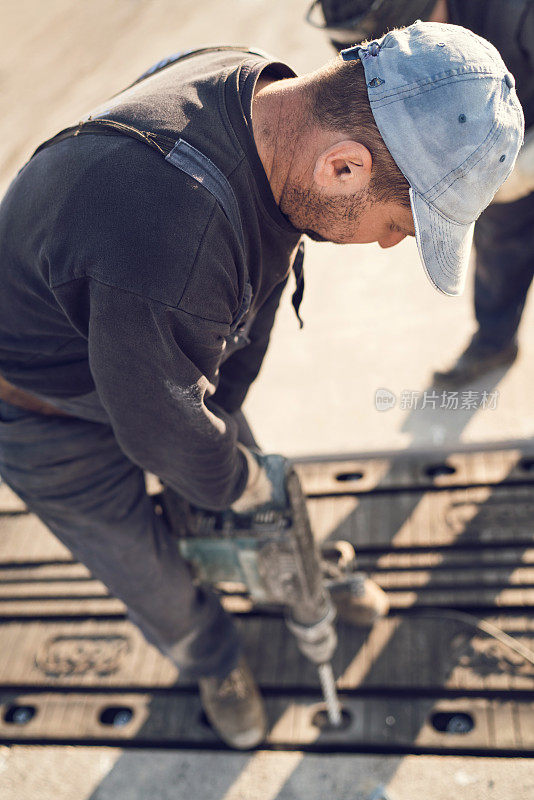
pixel 391 239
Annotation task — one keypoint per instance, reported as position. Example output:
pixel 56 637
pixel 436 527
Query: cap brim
pixel 444 246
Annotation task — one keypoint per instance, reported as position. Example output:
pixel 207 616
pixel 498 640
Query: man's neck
pixel 274 111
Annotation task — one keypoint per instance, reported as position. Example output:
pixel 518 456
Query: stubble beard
pixel 310 212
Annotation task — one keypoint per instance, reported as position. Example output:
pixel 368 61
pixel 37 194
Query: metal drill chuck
pixel 317 641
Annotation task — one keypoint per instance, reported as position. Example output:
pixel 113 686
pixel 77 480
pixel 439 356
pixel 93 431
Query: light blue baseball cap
pixel 446 107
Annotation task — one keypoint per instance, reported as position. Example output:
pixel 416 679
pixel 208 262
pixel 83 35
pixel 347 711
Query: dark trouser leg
pixel 73 475
pixel 504 241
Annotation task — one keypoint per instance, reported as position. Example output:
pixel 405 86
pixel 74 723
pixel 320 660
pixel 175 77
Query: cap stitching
pixel 421 87
pixel 443 265
pixel 433 242
pixel 480 153
pixel 483 148
pixel 449 263
pixel 437 236
pixel 442 215
pixel 437 255
pixel 449 253
pixel 445 256
pixel 437 231
pixel 418 239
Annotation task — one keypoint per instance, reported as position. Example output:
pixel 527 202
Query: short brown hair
pixel 339 101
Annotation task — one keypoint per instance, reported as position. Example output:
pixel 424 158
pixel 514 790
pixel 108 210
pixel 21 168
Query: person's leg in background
pixel 72 474
pixel 504 243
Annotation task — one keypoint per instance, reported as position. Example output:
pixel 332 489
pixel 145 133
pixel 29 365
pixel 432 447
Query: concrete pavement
pixel 109 774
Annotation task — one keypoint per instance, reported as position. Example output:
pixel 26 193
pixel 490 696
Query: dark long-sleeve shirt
pixel 122 279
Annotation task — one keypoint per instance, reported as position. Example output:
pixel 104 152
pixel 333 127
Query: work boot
pixel 360 601
pixel 234 707
pixel 475 362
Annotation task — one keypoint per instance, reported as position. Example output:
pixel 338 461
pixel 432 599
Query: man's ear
pixel 345 166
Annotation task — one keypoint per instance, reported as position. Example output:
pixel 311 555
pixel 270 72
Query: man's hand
pixel 259 489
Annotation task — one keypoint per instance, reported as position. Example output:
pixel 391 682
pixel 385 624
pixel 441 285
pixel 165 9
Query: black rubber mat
pixel 450 539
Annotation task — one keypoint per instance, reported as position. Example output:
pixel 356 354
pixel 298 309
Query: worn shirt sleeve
pixel 154 367
pixel 243 366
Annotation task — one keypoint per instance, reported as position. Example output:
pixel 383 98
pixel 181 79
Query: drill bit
pixel 328 684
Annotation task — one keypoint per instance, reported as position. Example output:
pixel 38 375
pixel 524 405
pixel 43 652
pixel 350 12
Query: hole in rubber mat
pixel 321 721
pixel 116 716
pixel 19 715
pixel 437 470
pixel 347 477
pixel 526 464
pixel 453 722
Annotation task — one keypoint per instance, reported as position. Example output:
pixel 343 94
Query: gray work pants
pixel 73 475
